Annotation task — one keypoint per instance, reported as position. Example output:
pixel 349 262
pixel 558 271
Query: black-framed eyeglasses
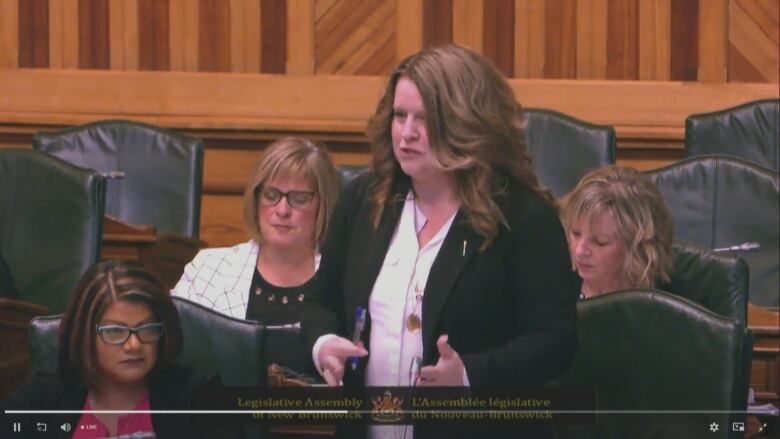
pixel 271 196
pixel 119 334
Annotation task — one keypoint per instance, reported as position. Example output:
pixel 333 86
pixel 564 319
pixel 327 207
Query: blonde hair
pixel 298 157
pixel 475 130
pixel 642 220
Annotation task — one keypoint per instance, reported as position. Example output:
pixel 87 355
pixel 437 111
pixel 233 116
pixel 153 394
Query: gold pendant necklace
pixel 414 322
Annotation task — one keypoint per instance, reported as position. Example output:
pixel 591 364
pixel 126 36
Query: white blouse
pixel 397 293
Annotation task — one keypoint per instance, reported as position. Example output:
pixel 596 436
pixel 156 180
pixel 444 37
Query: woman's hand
pixel 333 355
pixel 448 371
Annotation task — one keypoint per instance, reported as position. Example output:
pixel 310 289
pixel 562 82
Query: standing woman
pixel 287 204
pixel 450 244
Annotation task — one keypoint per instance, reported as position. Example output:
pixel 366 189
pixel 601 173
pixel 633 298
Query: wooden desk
pixel 765 370
pixel 165 254
pixel 15 316
pixel 276 378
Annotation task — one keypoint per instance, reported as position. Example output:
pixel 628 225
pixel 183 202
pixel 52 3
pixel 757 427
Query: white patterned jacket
pixel 219 278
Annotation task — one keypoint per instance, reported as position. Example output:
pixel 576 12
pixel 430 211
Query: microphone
pixel 744 247
pixel 113 175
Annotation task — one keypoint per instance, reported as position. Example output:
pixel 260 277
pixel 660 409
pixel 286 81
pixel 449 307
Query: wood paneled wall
pixel 648 116
pixel 241 73
pixel 678 40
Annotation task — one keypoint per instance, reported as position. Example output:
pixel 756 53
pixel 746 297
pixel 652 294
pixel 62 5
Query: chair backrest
pixel 719 202
pixel 716 281
pixel 564 149
pixel 51 222
pixel 749 131
pixel 213 343
pixel 163 170
pixel 7 286
pixel 645 350
pixel 216 343
pixel 349 172
pixel 286 347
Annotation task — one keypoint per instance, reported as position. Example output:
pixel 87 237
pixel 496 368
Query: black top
pixel 171 389
pixel 274 305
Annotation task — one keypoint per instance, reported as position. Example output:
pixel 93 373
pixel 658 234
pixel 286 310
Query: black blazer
pixel 509 310
pixel 172 389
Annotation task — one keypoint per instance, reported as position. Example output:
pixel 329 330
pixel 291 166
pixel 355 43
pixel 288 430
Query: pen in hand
pixel 360 323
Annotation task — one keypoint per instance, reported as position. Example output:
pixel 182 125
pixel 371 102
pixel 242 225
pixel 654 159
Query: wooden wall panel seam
pixel 560 37
pixel 300 37
pixel 713 38
pixel 116 34
pixel 56 41
pixel 623 39
pixel 654 39
pixel 498 34
pixel 409 27
pixel 274 42
pixel 468 24
pixel 529 38
pixel 9 34
pixel 684 53
pixel 191 34
pixel 592 39
pixel 436 23
pixel 214 36
pixel 70 34
pixel 237 31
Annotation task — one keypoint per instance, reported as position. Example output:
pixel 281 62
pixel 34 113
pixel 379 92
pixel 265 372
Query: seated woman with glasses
pixel 287 205
pixel 118 340
pixel 619 230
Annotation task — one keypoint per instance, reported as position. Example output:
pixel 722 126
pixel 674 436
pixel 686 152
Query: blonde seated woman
pixel 619 230
pixel 287 205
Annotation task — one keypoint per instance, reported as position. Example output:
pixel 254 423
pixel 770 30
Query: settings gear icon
pixel 714 427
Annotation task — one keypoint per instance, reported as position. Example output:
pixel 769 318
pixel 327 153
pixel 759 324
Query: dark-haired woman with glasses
pixel 287 205
pixel 118 340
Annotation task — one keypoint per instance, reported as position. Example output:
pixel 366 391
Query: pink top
pixel 91 428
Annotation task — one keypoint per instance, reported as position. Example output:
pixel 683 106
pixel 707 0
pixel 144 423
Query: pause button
pixel 17 427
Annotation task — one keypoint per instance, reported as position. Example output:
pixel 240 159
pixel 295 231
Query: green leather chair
pixel 750 131
pixel 654 355
pixel 213 343
pixel 564 149
pixel 720 202
pixel 163 170
pixel 350 172
pixel 7 286
pixel 716 281
pixel 210 339
pixel 51 221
